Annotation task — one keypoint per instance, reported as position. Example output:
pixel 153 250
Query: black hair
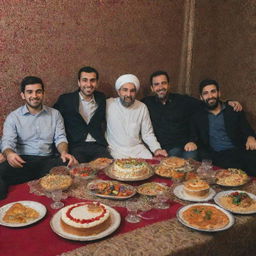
pixel 30 80
pixel 206 82
pixel 88 69
pixel 159 73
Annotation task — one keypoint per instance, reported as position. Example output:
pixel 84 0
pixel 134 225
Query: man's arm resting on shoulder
pixel 64 155
pixel 13 158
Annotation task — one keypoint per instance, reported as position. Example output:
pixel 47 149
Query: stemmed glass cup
pixel 56 196
pixel 132 209
pixel 161 200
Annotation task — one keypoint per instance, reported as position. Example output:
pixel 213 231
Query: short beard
pixel 213 106
pixel 126 104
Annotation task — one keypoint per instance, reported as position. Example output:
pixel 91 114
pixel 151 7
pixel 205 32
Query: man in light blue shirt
pixel 29 136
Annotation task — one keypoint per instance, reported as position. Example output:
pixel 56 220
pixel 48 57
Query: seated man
pixel 222 134
pixel 28 136
pixel 170 114
pixel 128 123
pixel 2 158
pixel 84 117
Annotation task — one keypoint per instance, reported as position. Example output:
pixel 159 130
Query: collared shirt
pixel 218 137
pixel 171 120
pixel 29 134
pixel 87 110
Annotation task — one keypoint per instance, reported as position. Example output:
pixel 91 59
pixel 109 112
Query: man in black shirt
pixel 170 114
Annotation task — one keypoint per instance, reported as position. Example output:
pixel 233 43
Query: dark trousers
pixel 88 151
pixel 236 158
pixel 34 168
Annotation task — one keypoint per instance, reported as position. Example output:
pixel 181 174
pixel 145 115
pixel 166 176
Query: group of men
pixel 86 124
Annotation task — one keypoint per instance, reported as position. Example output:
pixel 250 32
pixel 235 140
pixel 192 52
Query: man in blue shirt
pixel 223 135
pixel 29 135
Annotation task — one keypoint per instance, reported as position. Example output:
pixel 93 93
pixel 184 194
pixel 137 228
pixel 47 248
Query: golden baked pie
pixel 151 188
pixel 100 163
pixel 53 182
pixel 196 187
pixel 18 213
pixel 174 162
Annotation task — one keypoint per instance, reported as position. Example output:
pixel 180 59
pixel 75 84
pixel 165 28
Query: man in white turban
pixel 129 126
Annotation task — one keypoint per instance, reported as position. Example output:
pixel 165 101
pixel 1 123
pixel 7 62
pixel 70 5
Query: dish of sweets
pixel 195 190
pixel 111 189
pixel 53 182
pixel 173 167
pixel 205 217
pixel 83 171
pixel 152 188
pixel 100 163
pixel 21 213
pixel 237 201
pixel 129 169
pixel 231 177
pixel 85 221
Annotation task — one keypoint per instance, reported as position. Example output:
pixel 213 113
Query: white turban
pixel 128 78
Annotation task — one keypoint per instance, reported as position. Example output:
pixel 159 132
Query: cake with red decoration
pixel 130 168
pixel 85 219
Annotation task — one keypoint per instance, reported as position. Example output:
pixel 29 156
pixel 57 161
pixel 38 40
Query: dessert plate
pixel 40 208
pixel 218 201
pixel 178 191
pixel 56 227
pixel 231 219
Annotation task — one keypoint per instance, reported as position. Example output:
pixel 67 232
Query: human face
pixel 211 96
pixel 87 84
pixel 160 86
pixel 127 94
pixel 33 96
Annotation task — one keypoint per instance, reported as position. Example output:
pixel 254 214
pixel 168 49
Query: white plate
pixel 229 215
pixel 225 193
pixel 178 191
pixel 110 196
pixel 32 204
pixel 115 223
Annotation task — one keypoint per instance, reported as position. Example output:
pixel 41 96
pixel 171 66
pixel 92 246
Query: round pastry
pixel 174 162
pixel 130 168
pixel 53 182
pixel 196 187
pixel 85 219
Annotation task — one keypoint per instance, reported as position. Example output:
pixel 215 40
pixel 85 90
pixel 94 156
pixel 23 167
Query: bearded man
pixel 223 135
pixel 128 123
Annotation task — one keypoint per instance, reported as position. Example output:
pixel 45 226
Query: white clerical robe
pixel 128 128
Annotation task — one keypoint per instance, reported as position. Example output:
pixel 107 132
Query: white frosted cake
pixel 85 219
pixel 130 168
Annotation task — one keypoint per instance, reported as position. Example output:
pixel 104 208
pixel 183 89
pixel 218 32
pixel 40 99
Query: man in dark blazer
pixel 221 134
pixel 84 117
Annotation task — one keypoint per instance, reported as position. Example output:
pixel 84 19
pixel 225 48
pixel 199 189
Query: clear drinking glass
pixel 206 172
pixel 162 200
pixel 56 196
pixel 132 209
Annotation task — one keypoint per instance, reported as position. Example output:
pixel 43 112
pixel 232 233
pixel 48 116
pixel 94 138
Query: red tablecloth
pixel 39 239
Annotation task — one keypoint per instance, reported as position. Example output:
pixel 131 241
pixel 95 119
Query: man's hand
pixel 235 105
pixel 2 158
pixel 160 152
pixel 250 143
pixel 71 159
pixel 190 146
pixel 15 160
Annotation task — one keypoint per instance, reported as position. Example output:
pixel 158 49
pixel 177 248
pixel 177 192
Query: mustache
pixel 213 98
pixel 161 90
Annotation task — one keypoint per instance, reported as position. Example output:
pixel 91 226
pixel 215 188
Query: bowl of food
pixel 83 171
